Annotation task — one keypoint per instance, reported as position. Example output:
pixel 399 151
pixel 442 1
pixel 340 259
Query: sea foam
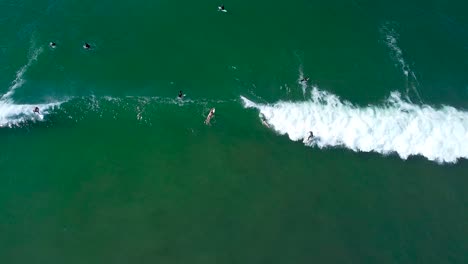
pixel 396 126
pixel 12 114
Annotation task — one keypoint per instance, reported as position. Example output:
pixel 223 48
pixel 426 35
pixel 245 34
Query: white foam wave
pixel 14 114
pixel 396 126
pixel 19 80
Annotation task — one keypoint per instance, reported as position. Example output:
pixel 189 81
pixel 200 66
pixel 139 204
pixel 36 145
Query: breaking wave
pixel 396 126
pixel 12 114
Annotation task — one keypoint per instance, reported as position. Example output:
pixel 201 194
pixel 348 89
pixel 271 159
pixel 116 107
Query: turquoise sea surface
pixel 116 169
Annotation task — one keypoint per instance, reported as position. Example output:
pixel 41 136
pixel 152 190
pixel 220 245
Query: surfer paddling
pixel 181 95
pixel 221 8
pixel 305 80
pixel 86 46
pixel 53 45
pixel 210 115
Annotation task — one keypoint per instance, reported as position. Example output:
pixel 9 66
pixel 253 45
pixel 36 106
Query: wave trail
pixel 19 80
pixel 12 114
pixel 391 37
pixel 395 127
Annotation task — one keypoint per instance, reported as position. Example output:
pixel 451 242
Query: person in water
pixel 264 121
pixel 52 45
pixel 210 115
pixel 181 95
pixel 311 136
pixel 305 79
pixel 36 110
pixel 86 46
pixel 222 8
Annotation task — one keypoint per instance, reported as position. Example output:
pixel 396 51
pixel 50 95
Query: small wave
pixel 81 108
pixel 143 108
pixel 12 115
pixel 395 127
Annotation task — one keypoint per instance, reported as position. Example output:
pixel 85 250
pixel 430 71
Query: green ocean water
pixel 121 171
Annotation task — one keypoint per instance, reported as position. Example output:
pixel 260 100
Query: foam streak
pixel 391 40
pixel 19 80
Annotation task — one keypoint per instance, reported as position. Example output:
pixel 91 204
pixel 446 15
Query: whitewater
pixel 396 126
pixel 13 114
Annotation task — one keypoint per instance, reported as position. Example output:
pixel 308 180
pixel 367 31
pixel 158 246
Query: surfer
pixel 311 136
pixel 221 8
pixel 305 80
pixel 52 45
pixel 210 115
pixel 181 95
pixel 264 121
pixel 86 46
pixel 36 110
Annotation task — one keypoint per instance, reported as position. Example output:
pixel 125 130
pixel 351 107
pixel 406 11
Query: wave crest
pixel 396 126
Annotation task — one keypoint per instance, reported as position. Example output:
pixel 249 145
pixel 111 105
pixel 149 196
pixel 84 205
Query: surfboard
pixel 222 10
pixel 210 115
pixel 38 116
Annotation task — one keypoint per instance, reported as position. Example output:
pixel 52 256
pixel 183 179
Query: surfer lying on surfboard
pixel 221 8
pixel 210 115
pixel 264 121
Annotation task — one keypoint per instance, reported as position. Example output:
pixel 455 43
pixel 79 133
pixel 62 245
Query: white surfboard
pixel 222 10
pixel 210 115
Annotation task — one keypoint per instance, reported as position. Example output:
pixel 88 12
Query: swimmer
pixel 210 115
pixel 53 45
pixel 86 46
pixel 36 110
pixel 181 95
